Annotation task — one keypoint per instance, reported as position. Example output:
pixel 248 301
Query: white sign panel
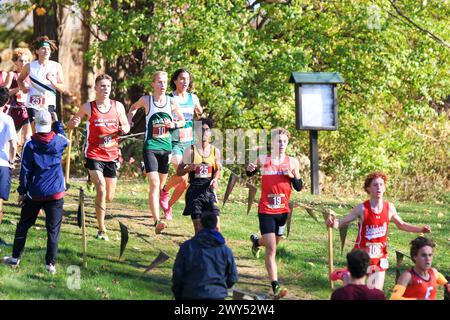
pixel 317 105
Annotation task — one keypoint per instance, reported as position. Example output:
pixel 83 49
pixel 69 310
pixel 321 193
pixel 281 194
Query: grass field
pixel 301 258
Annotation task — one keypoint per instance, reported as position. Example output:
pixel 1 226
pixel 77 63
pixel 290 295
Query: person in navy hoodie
pixel 41 186
pixel 204 267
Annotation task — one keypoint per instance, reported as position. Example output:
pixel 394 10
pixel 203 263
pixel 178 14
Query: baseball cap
pixel 43 121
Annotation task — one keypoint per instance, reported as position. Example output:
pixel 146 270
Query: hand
pixel 426 229
pixel 214 183
pixel 21 201
pixel 50 77
pixel 331 221
pixel 54 116
pixel 74 122
pixel 190 167
pixel 289 173
pixel 251 167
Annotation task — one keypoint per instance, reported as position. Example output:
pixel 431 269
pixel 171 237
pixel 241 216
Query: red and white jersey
pixel 372 235
pixel 275 187
pixel 103 134
pixel 420 288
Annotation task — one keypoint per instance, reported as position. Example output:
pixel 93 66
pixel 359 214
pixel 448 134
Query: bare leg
pixel 153 194
pixel 269 241
pixel 100 198
pixel 376 280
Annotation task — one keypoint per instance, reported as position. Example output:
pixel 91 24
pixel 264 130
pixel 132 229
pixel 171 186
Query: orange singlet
pixel 421 288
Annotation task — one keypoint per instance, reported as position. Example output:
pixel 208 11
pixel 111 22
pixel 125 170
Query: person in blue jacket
pixel 41 186
pixel 204 267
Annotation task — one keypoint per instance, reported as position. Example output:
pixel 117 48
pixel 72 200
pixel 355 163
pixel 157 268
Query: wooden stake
pixel 83 228
pixel 330 254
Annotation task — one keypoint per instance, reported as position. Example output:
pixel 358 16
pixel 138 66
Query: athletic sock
pixel 274 285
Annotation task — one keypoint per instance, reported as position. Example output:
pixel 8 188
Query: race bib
pixel 384 263
pixel 275 201
pixel 107 141
pixel 185 134
pixel 36 100
pixel 203 171
pixel 160 131
pixel 375 249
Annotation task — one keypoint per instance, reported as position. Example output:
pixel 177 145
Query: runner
pixel 17 109
pixel 46 77
pixel 202 162
pixel 106 119
pixel 181 84
pixel 158 140
pixel 374 217
pixel 420 282
pixel 280 173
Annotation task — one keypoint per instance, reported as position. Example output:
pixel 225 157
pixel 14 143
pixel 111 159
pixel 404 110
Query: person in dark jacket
pixel 41 186
pixel 204 267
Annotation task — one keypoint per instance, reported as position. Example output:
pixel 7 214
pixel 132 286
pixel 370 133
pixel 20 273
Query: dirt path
pixel 252 274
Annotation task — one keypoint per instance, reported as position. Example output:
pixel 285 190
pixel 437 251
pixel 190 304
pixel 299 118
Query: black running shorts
pixel 272 223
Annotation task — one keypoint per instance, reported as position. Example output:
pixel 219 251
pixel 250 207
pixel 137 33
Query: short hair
pixel 157 73
pixel 208 220
pixel 103 77
pixel 174 77
pixel 418 243
pixel 37 43
pixel 281 131
pixel 357 262
pixel 374 175
pixel 18 52
pixel 4 96
pixel 208 121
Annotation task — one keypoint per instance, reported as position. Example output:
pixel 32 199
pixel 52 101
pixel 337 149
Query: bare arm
pixel 23 75
pixel 184 168
pixel 402 225
pixel 176 110
pixel 8 79
pixel 215 179
pixel 135 107
pixel 356 212
pixel 197 107
pixel 256 166
pixel 85 110
pixel 57 80
pixel 400 287
pixel 125 126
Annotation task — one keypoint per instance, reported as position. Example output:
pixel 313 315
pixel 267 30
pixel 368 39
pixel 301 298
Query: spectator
pixel 41 186
pixel 357 263
pixel 204 267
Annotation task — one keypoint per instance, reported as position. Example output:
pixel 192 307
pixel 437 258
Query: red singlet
pixel 103 134
pixel 421 288
pixel 372 236
pixel 275 187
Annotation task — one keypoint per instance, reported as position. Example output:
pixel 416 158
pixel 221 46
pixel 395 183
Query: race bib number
pixel 276 201
pixel 160 131
pixel 203 171
pixel 185 134
pixel 37 101
pixel 384 263
pixel 107 141
pixel 375 249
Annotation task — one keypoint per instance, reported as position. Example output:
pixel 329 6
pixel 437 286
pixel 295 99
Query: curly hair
pixel 174 78
pixel 371 176
pixel 18 52
pixel 419 243
pixel 39 40
pixel 357 262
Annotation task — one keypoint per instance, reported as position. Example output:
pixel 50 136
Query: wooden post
pixel 314 158
pixel 83 228
pixel 330 255
pixel 69 152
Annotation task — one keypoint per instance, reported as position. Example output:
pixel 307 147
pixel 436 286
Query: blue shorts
pixel 5 182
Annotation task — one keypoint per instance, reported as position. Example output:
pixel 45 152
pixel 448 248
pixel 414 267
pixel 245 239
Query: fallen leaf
pixel 440 215
pixel 439 226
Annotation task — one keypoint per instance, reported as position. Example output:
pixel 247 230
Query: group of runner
pixel 169 138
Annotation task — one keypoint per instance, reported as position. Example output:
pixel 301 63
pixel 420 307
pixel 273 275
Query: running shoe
pixel 13 262
pixel 50 268
pixel 168 215
pixel 159 226
pixel 102 236
pixel 338 274
pixel 255 247
pixel 279 292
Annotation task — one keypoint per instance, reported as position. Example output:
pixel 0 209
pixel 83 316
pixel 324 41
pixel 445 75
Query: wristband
pixel 297 184
pixel 250 173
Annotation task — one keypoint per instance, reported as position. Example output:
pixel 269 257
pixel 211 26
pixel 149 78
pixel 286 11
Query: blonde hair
pixel 157 73
pixel 18 52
